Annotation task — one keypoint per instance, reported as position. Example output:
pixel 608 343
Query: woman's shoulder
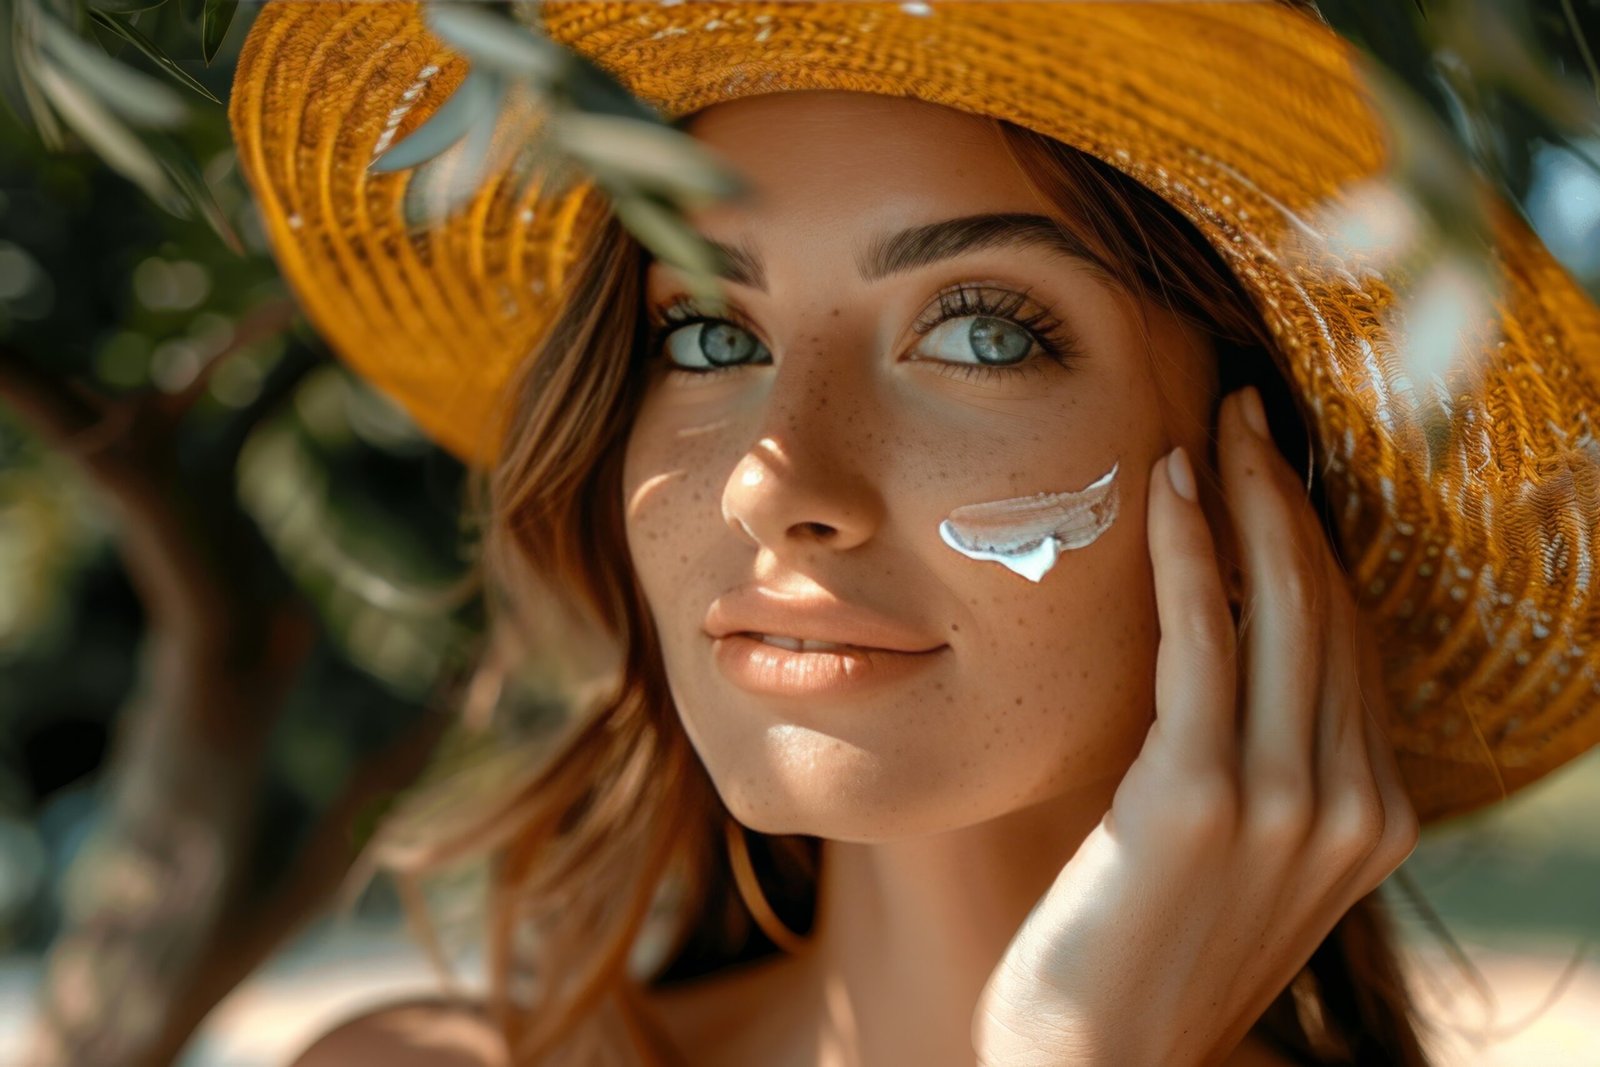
pixel 421 1032
pixel 746 1013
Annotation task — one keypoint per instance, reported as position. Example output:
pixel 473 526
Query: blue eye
pixel 994 336
pixel 995 342
pixel 711 345
pixel 997 338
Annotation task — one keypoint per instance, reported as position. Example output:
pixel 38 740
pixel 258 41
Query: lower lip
pixel 762 668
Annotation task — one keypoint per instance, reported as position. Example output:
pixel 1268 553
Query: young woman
pixel 988 684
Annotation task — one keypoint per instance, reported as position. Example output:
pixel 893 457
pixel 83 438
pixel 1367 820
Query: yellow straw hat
pixel 1467 498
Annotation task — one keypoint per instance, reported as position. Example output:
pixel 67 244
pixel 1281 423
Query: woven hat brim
pixel 1471 548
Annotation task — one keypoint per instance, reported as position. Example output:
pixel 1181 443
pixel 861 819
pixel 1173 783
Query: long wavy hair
pixel 604 846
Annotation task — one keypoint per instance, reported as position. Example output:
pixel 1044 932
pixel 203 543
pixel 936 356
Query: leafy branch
pixel 653 173
pixel 586 122
pixel 60 80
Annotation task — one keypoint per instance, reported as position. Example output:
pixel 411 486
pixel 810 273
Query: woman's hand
pixel 1235 842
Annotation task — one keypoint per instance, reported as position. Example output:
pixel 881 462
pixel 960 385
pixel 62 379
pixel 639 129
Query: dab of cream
pixel 1027 534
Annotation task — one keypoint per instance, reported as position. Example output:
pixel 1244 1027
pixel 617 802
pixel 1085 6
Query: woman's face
pixel 798 490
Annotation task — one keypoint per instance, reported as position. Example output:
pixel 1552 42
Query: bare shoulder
pixel 412 1033
pixel 737 1016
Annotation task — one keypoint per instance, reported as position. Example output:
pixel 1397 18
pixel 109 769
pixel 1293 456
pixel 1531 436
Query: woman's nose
pixel 809 485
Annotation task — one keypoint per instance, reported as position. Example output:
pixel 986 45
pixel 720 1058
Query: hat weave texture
pixel 1467 500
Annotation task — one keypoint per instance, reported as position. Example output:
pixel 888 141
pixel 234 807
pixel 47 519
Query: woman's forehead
pixel 834 170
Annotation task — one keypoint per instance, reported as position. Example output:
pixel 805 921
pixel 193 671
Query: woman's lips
pixel 758 667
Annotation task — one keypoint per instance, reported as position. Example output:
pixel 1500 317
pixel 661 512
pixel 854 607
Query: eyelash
pixel 1048 333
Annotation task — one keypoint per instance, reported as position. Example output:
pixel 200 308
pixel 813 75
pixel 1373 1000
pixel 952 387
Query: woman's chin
pixel 852 807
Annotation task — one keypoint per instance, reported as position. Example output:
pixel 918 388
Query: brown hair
pixel 620 815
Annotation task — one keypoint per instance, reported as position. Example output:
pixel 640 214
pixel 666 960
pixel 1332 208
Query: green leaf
pixel 37 107
pixel 186 176
pixel 478 93
pixel 125 29
pixel 446 184
pixel 673 241
pixel 215 18
pixel 1498 50
pixel 118 146
pixel 646 153
pixel 133 94
pixel 1581 39
pixel 590 87
pixel 492 41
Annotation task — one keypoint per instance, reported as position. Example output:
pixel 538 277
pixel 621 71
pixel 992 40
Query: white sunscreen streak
pixel 1027 534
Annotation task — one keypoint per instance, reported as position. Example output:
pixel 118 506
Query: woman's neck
pixel 908 931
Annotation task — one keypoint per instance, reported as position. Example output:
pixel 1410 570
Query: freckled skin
pixel 949 800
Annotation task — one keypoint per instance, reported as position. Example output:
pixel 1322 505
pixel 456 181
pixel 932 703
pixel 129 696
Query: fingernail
pixel 1254 414
pixel 1181 474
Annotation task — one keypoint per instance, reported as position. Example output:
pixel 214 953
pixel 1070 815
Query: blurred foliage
pixel 62 77
pixel 128 293
pixel 1488 89
pixel 132 264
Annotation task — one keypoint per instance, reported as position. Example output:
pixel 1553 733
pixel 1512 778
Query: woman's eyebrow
pixel 919 246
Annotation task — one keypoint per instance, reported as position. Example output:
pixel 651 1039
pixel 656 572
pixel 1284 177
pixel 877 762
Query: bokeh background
pixel 234 614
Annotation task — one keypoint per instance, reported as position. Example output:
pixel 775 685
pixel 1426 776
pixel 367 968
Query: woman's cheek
pixel 648 507
pixel 1066 664
pixel 1109 640
pixel 671 500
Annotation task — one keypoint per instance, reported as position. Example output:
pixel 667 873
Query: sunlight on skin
pixel 821 469
pixel 710 427
pixel 842 1022
pixel 640 496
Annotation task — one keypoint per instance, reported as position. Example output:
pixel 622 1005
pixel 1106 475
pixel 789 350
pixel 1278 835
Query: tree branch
pixel 61 414
pixel 163 920
pixel 181 542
